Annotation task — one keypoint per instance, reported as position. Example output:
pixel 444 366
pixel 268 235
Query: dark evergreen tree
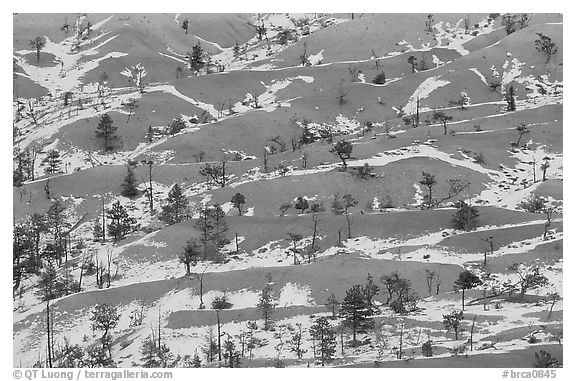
pixel 231 355
pixel 218 304
pixel 177 125
pixel 324 338
pixel 545 45
pixel 511 99
pixel 52 161
pixel 428 180
pixel 185 25
pixel 238 200
pixel 343 149
pixel 56 221
pixel 356 311
pixel 156 356
pixel 452 321
pixel 190 255
pixel 121 224
pixel 196 58
pixel 176 209
pixel 466 280
pixel 106 130
pixel 443 118
pixel 370 291
pixel 332 303
pixel 266 304
pixel 301 203
pixel 129 186
pixel 465 216
pixel 343 206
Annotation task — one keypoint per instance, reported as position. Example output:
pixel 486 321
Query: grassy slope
pixel 522 358
pixel 260 230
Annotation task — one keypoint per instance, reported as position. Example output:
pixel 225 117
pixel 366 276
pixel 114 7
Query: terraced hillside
pixel 260 176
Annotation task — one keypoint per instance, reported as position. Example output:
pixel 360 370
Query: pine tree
pixel 129 188
pixel 56 221
pixel 452 321
pixel 343 149
pixel 324 337
pixel 97 229
pixel 511 99
pixel 545 45
pixel 465 215
pixel 177 125
pixel 196 361
pixel 332 303
pixel 231 355
pixel 53 161
pixel 190 255
pixel 121 223
pixel 196 58
pixel 238 200
pixel 176 209
pixel 185 25
pixel 220 226
pixel 356 311
pixel 106 130
pixel 218 304
pixel 301 203
pixel 466 280
pixel 342 206
pixel 370 291
pixel 105 318
pixel 266 303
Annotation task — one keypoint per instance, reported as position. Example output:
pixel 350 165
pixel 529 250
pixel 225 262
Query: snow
pixel 172 90
pixel 510 75
pixel 455 37
pixel 477 72
pixel 294 295
pixel 317 58
pixel 423 91
pixel 71 67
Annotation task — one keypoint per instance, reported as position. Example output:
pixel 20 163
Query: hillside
pixel 295 157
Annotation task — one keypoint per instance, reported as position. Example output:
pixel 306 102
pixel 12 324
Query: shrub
pixel 479 158
pixel 545 360
pixel 427 349
pixel 533 204
pixel 380 79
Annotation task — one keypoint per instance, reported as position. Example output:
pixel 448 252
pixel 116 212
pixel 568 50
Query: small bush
pixel 534 204
pixel 545 360
pixel 479 158
pixel 380 79
pixel 427 349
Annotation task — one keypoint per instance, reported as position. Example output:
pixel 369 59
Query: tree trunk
pixel 219 336
pixel 471 334
pixel 349 226
pixel 151 190
pixel 550 312
pixel 48 332
pixel 455 333
pixel 462 299
pixel 342 340
pixel 401 337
